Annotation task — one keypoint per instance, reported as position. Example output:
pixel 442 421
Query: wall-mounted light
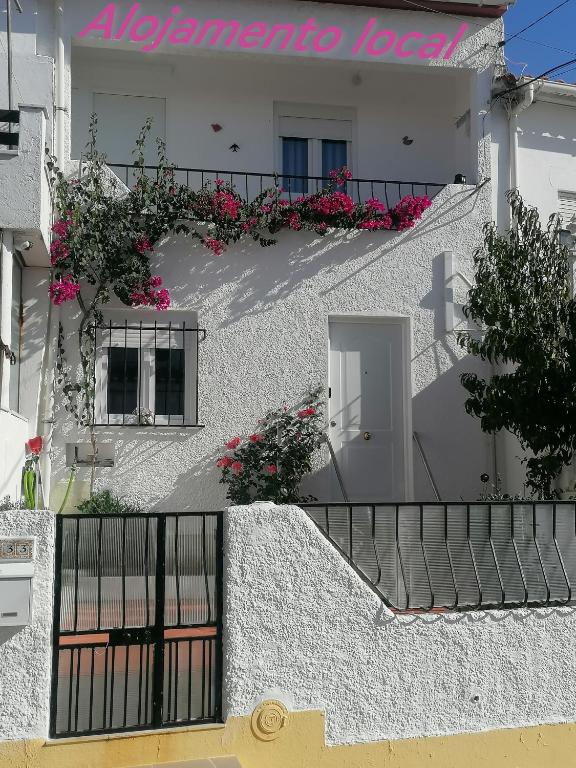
pixel 460 178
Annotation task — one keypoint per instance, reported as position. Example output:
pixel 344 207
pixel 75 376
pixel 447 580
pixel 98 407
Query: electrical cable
pixel 533 23
pixel 554 70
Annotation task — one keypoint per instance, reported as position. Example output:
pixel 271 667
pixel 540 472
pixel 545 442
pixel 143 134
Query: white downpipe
pixel 45 425
pixel 6 250
pixel 527 101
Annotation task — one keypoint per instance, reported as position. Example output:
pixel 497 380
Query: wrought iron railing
pixel 250 185
pixel 137 622
pixel 457 556
pixel 146 375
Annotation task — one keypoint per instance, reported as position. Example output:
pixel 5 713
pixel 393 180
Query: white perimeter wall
pixel 26 652
pixel 300 625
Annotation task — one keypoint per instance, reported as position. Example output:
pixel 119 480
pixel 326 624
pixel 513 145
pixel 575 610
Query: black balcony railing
pixel 250 185
pixel 444 556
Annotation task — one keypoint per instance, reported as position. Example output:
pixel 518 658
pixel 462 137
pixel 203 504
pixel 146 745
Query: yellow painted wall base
pixel 301 745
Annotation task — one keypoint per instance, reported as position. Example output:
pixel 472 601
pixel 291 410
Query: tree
pixel 522 301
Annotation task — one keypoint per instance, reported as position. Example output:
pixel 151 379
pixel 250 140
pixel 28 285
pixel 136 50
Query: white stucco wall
pixel 25 653
pixel 300 625
pixel 266 315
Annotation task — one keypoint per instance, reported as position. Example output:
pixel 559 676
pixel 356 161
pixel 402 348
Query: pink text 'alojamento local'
pixel 308 37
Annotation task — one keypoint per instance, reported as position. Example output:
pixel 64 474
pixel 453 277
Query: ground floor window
pixel 146 371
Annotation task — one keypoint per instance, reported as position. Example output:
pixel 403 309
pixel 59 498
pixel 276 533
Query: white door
pixel 369 402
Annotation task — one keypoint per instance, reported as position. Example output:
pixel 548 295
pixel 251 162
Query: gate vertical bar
pixel 158 669
pixel 219 585
pixel 56 625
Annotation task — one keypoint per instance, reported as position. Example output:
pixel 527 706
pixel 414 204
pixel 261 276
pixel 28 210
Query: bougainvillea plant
pixel 269 465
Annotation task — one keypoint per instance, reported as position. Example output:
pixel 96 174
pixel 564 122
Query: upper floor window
pixel 146 371
pixel 313 140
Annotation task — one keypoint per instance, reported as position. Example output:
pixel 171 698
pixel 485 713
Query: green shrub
pixel 106 503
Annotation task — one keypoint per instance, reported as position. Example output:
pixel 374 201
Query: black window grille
pixel 430 557
pixel 9 128
pixel 146 374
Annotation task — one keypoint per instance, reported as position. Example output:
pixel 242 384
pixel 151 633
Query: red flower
pixel 233 444
pixel 271 469
pixel 306 412
pixel 237 467
pixel 143 244
pixel 34 445
pixel 224 462
pixel 256 438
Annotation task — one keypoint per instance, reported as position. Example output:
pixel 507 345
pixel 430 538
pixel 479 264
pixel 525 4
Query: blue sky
pixel 558 30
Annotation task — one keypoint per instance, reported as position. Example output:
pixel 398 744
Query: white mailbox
pixel 16 573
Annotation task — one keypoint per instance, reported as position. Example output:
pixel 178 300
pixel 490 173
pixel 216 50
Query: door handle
pixel 367 436
pixel 332 423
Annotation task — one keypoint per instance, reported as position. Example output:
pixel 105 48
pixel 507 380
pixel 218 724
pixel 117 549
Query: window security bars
pixel 9 125
pixel 250 185
pixel 436 557
pixel 146 375
pixel 137 622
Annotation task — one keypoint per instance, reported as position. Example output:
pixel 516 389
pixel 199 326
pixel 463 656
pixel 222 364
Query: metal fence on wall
pixel 138 620
pixel 441 556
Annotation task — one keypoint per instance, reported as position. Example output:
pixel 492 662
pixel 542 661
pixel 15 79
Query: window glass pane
pixel 334 157
pixel 295 163
pixel 16 333
pixel 169 382
pixel 122 379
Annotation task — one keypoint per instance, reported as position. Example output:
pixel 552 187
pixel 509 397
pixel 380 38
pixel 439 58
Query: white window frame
pixel 146 376
pixel 315 123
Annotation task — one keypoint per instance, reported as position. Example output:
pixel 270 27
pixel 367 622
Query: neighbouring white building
pixel 308 311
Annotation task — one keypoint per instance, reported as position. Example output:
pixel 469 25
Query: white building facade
pixel 399 96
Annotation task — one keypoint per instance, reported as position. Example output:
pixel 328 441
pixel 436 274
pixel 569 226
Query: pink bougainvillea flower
pixel 143 244
pixel 63 290
pixel 256 438
pixel 162 300
pixel 271 469
pixel 233 444
pixel 59 251
pixel 35 444
pixel 237 467
pixel 224 462
pixel 61 227
pixel 155 281
pixel 216 246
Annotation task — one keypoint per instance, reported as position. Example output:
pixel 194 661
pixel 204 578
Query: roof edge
pixel 431 6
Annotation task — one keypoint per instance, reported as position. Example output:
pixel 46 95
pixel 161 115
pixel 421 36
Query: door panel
pixel 367 408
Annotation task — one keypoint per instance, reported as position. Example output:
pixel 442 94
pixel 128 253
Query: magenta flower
pixel 63 290
pixel 233 444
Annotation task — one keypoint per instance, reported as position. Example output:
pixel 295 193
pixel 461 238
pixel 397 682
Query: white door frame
pixel 405 322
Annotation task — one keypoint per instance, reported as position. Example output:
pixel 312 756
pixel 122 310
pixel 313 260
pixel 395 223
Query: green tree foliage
pixel 522 301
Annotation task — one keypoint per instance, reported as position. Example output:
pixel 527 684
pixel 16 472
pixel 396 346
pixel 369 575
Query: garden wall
pixel 300 625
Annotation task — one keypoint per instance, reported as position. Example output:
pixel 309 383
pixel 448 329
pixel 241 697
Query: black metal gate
pixel 137 622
